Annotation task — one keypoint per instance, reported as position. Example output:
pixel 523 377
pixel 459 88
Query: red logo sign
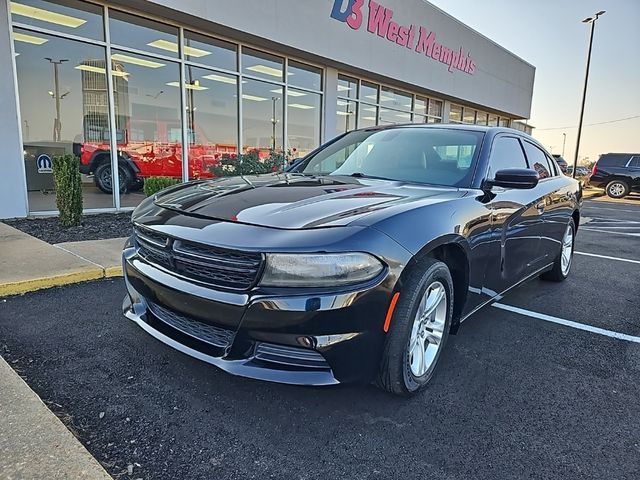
pixel 414 37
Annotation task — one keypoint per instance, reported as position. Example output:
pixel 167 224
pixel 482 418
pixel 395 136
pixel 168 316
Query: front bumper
pixel 309 339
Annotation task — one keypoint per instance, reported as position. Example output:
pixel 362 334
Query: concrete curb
pixel 32 285
pixel 28 264
pixel 34 443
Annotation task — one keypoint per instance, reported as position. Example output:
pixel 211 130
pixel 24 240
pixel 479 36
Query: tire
pixel 137 184
pixel 617 189
pixel 102 177
pixel 400 367
pixel 561 268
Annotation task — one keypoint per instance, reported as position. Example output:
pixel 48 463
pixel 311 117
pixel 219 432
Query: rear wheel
pixel 617 189
pixel 419 329
pixel 103 178
pixel 562 263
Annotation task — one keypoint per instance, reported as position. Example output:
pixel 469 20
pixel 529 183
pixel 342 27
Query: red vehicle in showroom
pixel 139 158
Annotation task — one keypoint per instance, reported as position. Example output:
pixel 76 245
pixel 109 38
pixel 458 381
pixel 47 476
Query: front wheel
pixel 419 329
pixel 562 263
pixel 617 189
pixel 103 178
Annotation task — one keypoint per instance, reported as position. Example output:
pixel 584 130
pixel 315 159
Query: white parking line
pixel 613 209
pixel 568 323
pixel 608 257
pixel 613 233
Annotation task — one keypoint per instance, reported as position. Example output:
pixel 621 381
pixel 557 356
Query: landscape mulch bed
pixel 93 227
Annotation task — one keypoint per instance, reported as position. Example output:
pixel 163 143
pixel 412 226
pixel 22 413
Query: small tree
pixel 68 184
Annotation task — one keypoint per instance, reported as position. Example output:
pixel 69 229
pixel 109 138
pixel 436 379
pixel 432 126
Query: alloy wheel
pixel 567 251
pixel 428 329
pixel 616 189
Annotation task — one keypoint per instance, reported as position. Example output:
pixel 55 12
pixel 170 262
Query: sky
pixel 550 35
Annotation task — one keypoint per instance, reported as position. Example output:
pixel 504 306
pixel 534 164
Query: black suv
pixel 617 173
pixel 562 163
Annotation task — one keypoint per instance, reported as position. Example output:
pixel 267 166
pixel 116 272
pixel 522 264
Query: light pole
pixel 57 124
pixel 592 21
pixel 564 142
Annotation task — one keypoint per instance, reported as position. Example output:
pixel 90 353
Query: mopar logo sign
pixel 44 164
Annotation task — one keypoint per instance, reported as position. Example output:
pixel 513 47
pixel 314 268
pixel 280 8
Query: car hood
pixel 289 201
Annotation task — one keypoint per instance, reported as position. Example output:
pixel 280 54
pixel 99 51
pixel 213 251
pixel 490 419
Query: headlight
pixel 319 270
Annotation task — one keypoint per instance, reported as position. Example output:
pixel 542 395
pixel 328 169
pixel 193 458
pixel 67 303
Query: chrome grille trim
pixel 216 266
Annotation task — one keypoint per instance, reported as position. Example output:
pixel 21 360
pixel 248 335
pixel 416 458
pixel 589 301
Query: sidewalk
pixel 28 264
pixel 34 444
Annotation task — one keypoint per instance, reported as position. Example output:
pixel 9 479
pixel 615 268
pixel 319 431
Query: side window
pixel 635 161
pixel 538 161
pixel 554 168
pixel 506 152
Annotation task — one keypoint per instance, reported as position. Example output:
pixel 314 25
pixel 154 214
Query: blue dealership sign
pixel 44 164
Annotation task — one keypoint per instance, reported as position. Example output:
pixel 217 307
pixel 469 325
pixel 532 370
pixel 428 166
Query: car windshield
pixel 436 156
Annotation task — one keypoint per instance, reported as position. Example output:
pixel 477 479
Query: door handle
pixel 540 208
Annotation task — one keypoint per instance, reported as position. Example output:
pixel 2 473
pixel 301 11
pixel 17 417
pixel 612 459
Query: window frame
pixel 493 143
pixel 631 160
pixel 553 172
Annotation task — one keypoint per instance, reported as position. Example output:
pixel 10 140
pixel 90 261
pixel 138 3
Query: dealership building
pixel 172 87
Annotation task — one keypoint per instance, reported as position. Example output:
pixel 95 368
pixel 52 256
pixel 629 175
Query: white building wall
pixel 502 81
pixel 13 184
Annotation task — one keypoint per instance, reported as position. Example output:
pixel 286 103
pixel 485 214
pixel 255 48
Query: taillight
pixel 594 169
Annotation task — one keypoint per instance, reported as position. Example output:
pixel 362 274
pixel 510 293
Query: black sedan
pixel 358 262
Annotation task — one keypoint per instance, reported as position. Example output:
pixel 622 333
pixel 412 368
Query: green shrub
pixel 153 185
pixel 249 163
pixel 68 184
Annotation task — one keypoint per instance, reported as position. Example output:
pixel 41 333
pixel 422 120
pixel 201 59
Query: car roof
pixel 491 131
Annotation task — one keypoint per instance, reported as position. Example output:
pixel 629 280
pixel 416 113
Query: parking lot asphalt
pixel 514 397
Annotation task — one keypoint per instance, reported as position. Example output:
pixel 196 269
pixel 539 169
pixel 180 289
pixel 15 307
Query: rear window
pixel 613 160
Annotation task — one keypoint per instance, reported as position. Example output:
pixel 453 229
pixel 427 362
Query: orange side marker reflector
pixel 392 306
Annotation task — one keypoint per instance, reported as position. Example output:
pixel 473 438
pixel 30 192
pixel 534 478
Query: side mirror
pixel 521 178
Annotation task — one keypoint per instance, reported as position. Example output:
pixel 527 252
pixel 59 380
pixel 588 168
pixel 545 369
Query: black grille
pixel 290 356
pixel 216 336
pixel 212 265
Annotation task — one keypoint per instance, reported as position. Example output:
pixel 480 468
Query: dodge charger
pixel 357 262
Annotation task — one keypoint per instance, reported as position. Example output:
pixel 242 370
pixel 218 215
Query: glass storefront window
pixel 435 108
pixel 481 119
pixel 369 92
pixel 469 115
pixel 304 115
pixel 71 16
pixel 392 98
pixel 148 120
pixel 212 119
pixel 143 34
pixel 367 116
pixel 262 126
pixel 420 106
pixel 419 118
pixel 455 113
pixel 263 65
pixel 304 76
pixel 210 51
pixel 393 117
pixel 504 122
pixel 493 120
pixel 64 110
pixel 346 116
pixel 434 120
pixel 347 87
